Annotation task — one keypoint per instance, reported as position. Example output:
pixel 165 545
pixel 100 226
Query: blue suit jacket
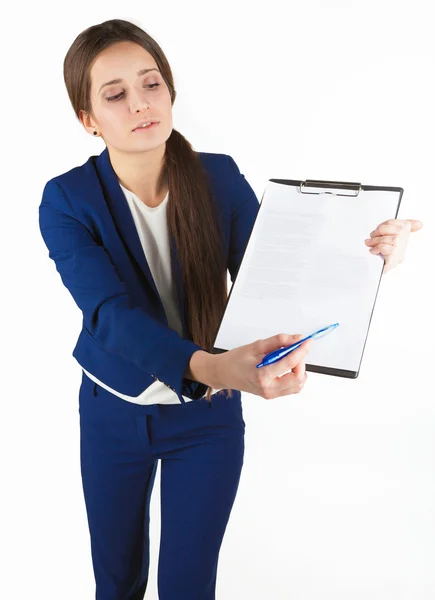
pixel 88 228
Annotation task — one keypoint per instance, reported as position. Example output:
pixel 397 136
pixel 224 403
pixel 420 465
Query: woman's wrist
pixel 202 367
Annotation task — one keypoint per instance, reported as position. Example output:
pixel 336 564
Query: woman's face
pixel 118 107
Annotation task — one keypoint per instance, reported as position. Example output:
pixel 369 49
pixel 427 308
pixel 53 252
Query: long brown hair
pixel 191 212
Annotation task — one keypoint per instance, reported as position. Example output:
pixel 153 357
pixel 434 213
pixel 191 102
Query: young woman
pixel 142 236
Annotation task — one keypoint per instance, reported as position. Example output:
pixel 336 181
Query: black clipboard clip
pixel 337 188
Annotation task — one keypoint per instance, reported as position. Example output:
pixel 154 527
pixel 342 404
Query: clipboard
pixel 313 280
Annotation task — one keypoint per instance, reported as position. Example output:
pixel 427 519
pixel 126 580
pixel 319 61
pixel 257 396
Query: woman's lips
pixel 146 128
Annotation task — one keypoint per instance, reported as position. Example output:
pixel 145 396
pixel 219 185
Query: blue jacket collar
pixel 118 206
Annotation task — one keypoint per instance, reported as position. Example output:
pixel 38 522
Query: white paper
pixel 305 267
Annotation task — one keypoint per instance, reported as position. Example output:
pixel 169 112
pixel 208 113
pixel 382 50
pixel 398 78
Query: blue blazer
pixel 87 226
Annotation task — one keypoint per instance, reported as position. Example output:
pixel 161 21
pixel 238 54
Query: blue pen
pixel 281 352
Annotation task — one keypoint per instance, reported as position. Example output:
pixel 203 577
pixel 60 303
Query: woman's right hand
pixel 236 368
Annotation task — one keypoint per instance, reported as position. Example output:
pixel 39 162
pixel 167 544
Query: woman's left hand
pixel 390 239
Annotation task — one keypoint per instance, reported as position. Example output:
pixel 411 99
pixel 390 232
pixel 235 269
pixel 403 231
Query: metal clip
pixel 329 187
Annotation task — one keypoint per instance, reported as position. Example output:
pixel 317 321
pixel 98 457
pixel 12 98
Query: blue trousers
pixel 201 451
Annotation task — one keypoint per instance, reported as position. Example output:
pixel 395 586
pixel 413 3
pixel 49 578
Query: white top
pixel 151 225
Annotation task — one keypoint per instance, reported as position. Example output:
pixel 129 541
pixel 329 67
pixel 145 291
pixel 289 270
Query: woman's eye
pixel 151 86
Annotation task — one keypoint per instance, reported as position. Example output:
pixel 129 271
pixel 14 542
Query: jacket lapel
pixel 126 227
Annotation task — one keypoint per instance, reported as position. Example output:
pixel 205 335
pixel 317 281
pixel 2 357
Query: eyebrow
pixel 139 73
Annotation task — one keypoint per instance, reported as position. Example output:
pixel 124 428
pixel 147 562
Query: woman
pixel 142 236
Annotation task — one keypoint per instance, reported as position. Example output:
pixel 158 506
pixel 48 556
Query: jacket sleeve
pixel 244 209
pixel 114 321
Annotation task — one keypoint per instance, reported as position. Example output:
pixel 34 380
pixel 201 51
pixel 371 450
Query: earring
pixel 95 133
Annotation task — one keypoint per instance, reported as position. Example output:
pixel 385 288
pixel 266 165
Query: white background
pixel 337 495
